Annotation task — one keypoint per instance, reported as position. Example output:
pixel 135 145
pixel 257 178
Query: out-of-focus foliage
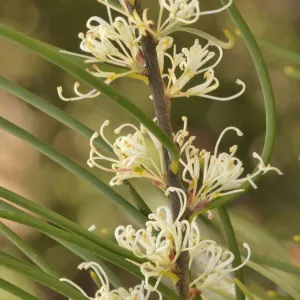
pixel 275 206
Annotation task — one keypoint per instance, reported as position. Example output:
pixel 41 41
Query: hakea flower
pixel 142 24
pixel 137 155
pixel 210 176
pixel 193 62
pixel 139 292
pixel 114 43
pixel 180 13
pixel 163 240
pixel 215 266
pixel 164 44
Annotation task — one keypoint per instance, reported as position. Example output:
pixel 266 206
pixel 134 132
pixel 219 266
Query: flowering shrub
pixel 204 176
pixel 169 246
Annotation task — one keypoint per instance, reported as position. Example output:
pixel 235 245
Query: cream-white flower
pixel 137 155
pixel 172 14
pixel 214 264
pixel 180 13
pixel 113 43
pixel 139 292
pixel 163 240
pixel 197 61
pixel 142 24
pixel 181 135
pixel 92 228
pixel 161 50
pixel 116 43
pixel 210 176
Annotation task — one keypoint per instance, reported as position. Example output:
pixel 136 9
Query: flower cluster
pixel 137 155
pixel 208 175
pixel 114 43
pixel 214 265
pixel 164 239
pixel 114 49
pixel 139 292
pixel 160 244
pixel 181 13
pixel 191 62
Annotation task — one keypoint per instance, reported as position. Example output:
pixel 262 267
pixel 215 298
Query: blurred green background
pixel 275 206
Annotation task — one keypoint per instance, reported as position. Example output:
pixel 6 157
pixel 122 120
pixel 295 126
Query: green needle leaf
pixel 280 51
pixel 82 253
pixel 59 234
pixel 88 257
pixel 72 167
pixel 16 291
pixel 244 289
pixel 275 278
pixel 39 276
pixel 59 221
pixel 73 68
pixel 82 243
pixel 64 118
pixel 51 110
pixel 234 248
pixel 268 94
pixel 29 251
pixel 6 206
pixel 268 260
pixel 41 226
pixel 138 200
pixel 225 45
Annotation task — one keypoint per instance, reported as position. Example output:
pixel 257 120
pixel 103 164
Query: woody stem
pixel 162 110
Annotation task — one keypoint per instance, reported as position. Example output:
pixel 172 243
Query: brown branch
pixel 162 111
